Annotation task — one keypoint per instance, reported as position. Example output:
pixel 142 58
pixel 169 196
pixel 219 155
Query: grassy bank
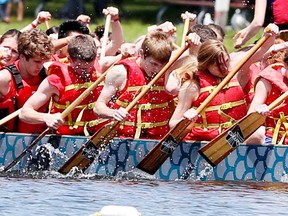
pixel 139 14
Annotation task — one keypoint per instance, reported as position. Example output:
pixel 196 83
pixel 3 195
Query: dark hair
pixel 203 31
pixel 72 26
pixel 217 29
pixel 10 34
pixel 82 47
pixel 52 30
pixel 99 32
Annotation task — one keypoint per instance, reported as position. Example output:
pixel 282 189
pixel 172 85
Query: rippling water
pixel 53 194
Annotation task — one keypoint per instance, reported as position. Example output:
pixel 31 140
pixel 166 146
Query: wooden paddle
pixel 47 24
pixel 185 30
pixel 68 110
pixel 160 152
pixel 9 117
pixel 221 146
pixel 105 35
pixel 88 152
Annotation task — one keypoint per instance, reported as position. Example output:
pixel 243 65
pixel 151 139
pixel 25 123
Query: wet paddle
pixel 160 152
pixel 221 146
pixel 88 152
pixel 9 117
pixel 69 109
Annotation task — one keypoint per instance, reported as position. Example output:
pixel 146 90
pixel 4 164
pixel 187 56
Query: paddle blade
pixel 158 155
pixel 85 156
pixel 221 146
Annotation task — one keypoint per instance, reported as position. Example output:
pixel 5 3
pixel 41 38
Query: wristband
pixel 115 20
pixel 33 25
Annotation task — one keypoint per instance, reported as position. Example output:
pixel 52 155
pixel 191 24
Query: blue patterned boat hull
pixel 253 162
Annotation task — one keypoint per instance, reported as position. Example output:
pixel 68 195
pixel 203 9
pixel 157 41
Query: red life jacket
pixel 81 120
pixel 276 122
pixel 280 8
pixel 226 107
pixel 150 117
pixel 20 90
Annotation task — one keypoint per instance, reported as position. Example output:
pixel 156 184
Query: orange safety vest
pixel 150 117
pixel 81 120
pixel 276 122
pixel 225 108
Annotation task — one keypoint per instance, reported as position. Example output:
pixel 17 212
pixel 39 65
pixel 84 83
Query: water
pixel 53 194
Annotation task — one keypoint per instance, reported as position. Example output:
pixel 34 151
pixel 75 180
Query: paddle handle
pixel 231 74
pixel 47 24
pixel 185 30
pixel 10 116
pixel 278 101
pixel 157 77
pixel 105 36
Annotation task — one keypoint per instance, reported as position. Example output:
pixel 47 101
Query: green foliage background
pixel 139 14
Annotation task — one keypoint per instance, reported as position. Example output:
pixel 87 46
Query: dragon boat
pixel 247 162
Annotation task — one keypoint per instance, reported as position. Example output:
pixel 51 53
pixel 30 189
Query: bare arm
pixel 276 48
pixel 5 82
pixel 187 94
pixel 117 37
pixel 29 111
pixel 173 84
pixel 59 43
pixel 262 89
pixel 247 33
pixel 107 61
pixel 115 81
pixel 243 74
pixel 41 18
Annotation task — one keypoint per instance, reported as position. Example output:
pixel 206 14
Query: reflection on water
pixel 50 193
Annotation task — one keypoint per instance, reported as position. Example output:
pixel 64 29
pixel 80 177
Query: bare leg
pixel 20 11
pixel 221 12
pixel 8 12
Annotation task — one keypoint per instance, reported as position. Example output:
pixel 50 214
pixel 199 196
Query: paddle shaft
pixel 87 153
pixel 219 148
pixel 105 36
pixel 185 30
pixel 10 117
pixel 157 156
pixel 47 24
pixel 68 110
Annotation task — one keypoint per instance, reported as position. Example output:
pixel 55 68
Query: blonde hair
pixel 210 51
pixel 188 71
pixel 157 45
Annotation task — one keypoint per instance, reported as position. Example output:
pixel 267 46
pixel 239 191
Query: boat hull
pixel 253 162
